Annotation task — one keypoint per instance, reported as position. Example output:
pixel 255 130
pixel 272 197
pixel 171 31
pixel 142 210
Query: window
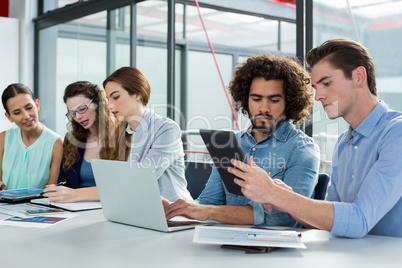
pixel 50 5
pixel 91 46
pixel 69 52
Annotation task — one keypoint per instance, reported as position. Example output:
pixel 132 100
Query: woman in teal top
pixel 30 154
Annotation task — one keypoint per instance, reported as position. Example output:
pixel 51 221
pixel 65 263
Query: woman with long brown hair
pixel 144 136
pixel 91 136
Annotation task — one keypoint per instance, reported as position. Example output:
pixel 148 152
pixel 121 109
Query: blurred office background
pixel 48 44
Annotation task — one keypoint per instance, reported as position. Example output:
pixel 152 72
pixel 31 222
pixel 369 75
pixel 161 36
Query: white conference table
pixel 89 240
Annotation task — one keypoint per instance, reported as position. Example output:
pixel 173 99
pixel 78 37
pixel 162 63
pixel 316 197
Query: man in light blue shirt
pixel 366 160
pixel 272 90
pixel 365 194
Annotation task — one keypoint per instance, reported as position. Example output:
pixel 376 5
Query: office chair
pixel 197 175
pixel 320 190
pixel 322 186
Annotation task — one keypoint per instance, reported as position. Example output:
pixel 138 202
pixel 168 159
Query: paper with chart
pixel 247 237
pixel 19 210
pixel 37 222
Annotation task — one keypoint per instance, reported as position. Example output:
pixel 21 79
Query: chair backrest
pixel 197 175
pixel 321 187
pixel 320 190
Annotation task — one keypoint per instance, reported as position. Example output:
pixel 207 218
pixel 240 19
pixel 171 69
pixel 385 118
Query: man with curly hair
pixel 271 90
pixel 366 185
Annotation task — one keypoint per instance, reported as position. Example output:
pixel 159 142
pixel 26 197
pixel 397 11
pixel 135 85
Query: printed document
pixel 37 222
pixel 19 210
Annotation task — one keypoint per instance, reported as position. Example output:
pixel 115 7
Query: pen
pixel 61 183
pixel 58 184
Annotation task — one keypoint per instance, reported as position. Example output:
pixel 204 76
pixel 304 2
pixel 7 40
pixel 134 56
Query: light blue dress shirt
pixel 157 142
pixel 367 177
pixel 287 154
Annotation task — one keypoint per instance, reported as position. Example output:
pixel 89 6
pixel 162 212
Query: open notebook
pixel 77 206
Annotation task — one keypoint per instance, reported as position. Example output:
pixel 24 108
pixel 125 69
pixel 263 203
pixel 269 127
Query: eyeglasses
pixel 81 109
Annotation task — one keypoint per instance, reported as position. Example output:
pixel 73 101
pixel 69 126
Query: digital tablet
pixel 223 146
pixel 19 195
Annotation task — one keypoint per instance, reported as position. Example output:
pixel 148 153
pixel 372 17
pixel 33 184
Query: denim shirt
pixel 287 154
pixel 366 183
pixel 157 142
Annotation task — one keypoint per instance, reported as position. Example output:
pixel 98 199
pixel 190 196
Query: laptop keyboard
pixel 182 223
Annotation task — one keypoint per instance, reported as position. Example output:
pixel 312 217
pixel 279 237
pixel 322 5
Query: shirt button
pixel 355 147
pixel 353 176
pixel 253 149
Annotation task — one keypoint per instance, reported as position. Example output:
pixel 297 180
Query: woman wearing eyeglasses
pixel 91 136
pixel 146 137
pixel 30 153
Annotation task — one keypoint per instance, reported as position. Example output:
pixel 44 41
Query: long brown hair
pixel 105 124
pixel 135 83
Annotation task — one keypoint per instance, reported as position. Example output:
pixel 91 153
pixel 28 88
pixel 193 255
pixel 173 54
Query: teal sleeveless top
pixel 27 166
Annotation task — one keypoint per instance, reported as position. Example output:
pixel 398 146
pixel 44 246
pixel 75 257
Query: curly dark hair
pixel 296 82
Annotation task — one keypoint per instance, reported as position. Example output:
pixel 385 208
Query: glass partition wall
pixel 92 46
pixel 378 26
pixel 87 40
pixel 85 48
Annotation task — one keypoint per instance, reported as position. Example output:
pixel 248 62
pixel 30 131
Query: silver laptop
pixel 129 194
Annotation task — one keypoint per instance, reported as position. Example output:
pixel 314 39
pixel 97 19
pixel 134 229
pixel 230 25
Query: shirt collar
pixel 367 126
pixel 281 134
pixel 145 120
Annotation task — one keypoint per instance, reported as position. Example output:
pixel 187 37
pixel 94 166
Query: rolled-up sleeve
pixel 301 174
pixel 214 191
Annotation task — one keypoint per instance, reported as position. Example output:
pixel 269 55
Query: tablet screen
pixel 19 194
pixel 223 146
